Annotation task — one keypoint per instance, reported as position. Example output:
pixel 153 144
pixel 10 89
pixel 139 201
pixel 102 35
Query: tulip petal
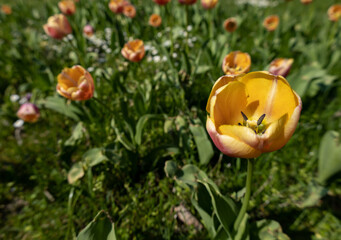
pixel 240 133
pixel 229 145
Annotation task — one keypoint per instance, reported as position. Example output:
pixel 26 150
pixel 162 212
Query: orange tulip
pixel 129 11
pixel 281 66
pixel 161 2
pixel 208 4
pixel 230 24
pixel 306 2
pixel 133 50
pixel 187 2
pixel 251 114
pixel 117 6
pixel 28 112
pixel 75 83
pixel 67 7
pixel 57 26
pixel 271 23
pixel 6 9
pixel 155 20
pixel 236 63
pixel 334 12
pixel 88 30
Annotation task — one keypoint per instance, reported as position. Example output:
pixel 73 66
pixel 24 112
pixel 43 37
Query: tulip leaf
pixel 171 168
pixel 94 156
pixel 204 146
pixel 77 135
pixel 313 196
pixel 60 105
pixel 270 230
pixel 140 125
pixel 329 156
pixel 221 234
pixel 99 228
pixel 76 172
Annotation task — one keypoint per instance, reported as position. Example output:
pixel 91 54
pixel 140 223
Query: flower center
pixel 257 126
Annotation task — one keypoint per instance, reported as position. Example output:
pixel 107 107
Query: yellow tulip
pixel 75 83
pixel 236 63
pixel 133 50
pixel 251 114
pixel 334 12
pixel 67 7
pixel 208 4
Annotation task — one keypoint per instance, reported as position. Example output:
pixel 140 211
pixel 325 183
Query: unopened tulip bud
pixel 236 63
pixel 133 50
pixel 75 83
pixel 57 26
pixel 6 9
pixel 208 4
pixel 28 112
pixel 271 23
pixel 67 7
pixel 281 66
pixel 230 24
pixel 155 20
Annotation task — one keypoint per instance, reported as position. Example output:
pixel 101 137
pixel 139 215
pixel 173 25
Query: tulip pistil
pixel 257 126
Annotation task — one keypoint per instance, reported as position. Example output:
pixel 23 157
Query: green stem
pixel 250 166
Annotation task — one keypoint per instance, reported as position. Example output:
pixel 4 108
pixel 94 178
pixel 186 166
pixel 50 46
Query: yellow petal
pixel 240 133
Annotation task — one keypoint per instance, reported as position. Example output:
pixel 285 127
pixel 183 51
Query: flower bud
pixel 75 83
pixel 208 4
pixel 271 23
pixel 129 11
pixel 133 50
pixel 67 7
pixel 281 66
pixel 88 30
pixel 28 112
pixel 236 63
pixel 334 12
pixel 117 6
pixel 57 26
pixel 6 9
pixel 155 20
pixel 230 24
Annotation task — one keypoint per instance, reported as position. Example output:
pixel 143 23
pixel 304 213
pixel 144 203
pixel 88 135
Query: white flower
pixel 14 97
pixel 164 58
pixel 154 52
pixel 90 69
pixel 167 43
pixel 174 55
pixel 19 123
pixel 189 28
pixel 156 58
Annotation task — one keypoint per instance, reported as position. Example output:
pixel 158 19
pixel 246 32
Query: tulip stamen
pixel 257 126
pixel 244 116
pixel 260 119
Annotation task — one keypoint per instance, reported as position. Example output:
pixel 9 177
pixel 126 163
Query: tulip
pixel 117 6
pixel 281 66
pixel 161 2
pixel 57 26
pixel 208 4
pixel 88 30
pixel 236 63
pixel 6 9
pixel 251 114
pixel 67 7
pixel 155 20
pixel 306 2
pixel 75 83
pixel 133 50
pixel 271 23
pixel 334 12
pixel 129 11
pixel 28 112
pixel 230 24
pixel 187 2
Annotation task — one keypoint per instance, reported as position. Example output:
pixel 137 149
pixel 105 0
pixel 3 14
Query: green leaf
pixel 76 172
pixel 77 135
pixel 140 125
pixel 270 230
pixel 94 156
pixel 170 168
pixel 60 105
pixel 204 146
pixel 101 228
pixel 329 156
pixel 314 194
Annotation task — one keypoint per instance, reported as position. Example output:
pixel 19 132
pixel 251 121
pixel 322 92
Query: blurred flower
pixel 67 7
pixel 230 24
pixel 189 28
pixel 88 30
pixel 75 83
pixel 28 112
pixel 271 22
pixel 155 20
pixel 19 123
pixel 252 114
pixel 281 66
pixel 334 12
pixel 161 2
pixel 187 2
pixel 6 9
pixel 306 2
pixel 236 63
pixel 117 6
pixel 57 26
pixel 129 11
pixel 208 4
pixel 133 50
pixel 14 97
